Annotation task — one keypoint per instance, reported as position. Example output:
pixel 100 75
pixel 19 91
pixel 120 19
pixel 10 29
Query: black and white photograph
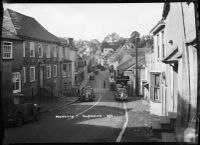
pixel 99 72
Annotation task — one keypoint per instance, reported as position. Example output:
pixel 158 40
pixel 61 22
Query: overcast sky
pixel 93 21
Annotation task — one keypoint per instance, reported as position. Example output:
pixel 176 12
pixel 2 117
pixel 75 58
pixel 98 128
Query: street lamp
pixel 136 67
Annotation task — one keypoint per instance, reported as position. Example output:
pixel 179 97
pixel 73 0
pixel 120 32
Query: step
pixel 165 119
pixel 168 137
pixel 156 126
pixel 167 127
pixel 172 115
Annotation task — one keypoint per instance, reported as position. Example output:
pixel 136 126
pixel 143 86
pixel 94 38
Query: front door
pixel 41 76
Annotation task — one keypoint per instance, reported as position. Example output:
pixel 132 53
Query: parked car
pixel 87 94
pixel 22 110
pixel 92 76
pixel 121 94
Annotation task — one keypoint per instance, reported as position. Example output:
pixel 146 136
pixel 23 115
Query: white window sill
pixel 16 91
pixel 31 81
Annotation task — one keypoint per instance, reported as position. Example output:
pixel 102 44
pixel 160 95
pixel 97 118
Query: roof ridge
pixel 20 14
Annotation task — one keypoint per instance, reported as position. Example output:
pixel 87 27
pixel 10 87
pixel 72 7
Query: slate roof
pixel 131 62
pixel 26 26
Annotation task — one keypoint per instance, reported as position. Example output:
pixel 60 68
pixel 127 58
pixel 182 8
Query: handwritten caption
pixel 83 116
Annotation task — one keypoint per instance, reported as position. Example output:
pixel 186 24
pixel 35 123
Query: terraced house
pixel 35 57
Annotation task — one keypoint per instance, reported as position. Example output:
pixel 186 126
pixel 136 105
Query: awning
pixel 172 56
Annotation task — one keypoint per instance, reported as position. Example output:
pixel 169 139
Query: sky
pixel 93 21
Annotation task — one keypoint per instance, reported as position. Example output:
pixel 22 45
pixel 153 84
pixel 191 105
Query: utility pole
pixel 136 67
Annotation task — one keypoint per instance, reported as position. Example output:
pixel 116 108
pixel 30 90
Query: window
pixel 32 49
pixel 16 82
pixel 24 47
pixel 32 74
pixel 48 54
pixel 55 71
pixel 7 50
pixel 40 50
pixel 158 45
pixel 24 75
pixel 64 70
pixel 63 55
pixel 155 87
pixel 163 45
pixel 48 72
pixel 54 51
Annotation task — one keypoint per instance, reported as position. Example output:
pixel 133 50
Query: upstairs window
pixel 32 49
pixel 158 55
pixel 48 72
pixel 7 50
pixel 55 70
pixel 48 54
pixel 54 51
pixel 40 50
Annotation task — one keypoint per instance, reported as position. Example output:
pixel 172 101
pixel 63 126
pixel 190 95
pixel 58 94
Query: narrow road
pixel 104 120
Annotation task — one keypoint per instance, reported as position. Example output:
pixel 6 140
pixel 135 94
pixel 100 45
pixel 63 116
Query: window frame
pixel 154 88
pixel 48 76
pixel 158 46
pixel 32 48
pixel 63 70
pixel 15 74
pixel 48 52
pixel 55 70
pixel 54 51
pixel 11 52
pixel 40 47
pixel 32 67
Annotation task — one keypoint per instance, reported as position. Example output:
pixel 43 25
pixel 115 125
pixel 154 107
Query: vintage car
pixel 121 93
pixel 22 110
pixel 87 94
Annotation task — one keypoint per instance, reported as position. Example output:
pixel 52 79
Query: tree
pixel 114 37
pixel 134 36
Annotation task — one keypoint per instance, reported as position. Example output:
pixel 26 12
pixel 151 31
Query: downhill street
pixel 104 120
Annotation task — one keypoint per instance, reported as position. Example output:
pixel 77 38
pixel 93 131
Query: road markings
pixel 125 124
pixel 88 108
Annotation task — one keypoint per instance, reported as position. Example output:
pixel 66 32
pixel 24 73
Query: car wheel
pixel 19 120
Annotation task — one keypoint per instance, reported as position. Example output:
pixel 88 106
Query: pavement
pixel 52 105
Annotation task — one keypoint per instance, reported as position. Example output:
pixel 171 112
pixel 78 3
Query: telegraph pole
pixel 136 68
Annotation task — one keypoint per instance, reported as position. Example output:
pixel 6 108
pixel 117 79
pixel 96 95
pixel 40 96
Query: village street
pixel 104 120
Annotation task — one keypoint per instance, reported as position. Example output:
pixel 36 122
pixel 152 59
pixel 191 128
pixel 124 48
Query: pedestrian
pixel 104 84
